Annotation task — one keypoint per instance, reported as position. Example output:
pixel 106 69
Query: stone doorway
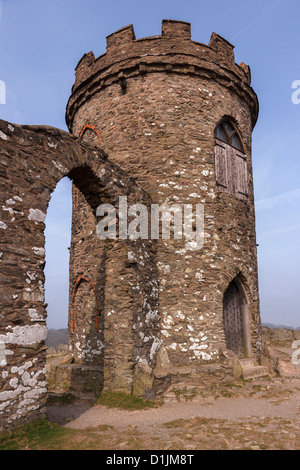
pixel 235 319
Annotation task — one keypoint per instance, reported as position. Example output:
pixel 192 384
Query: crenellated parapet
pixel 172 52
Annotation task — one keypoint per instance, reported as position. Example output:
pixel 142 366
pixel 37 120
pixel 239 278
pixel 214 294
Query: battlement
pixel 170 29
pixel 172 51
pixel 122 36
pixel 176 29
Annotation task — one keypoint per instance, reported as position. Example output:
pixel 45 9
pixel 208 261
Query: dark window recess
pixel 230 160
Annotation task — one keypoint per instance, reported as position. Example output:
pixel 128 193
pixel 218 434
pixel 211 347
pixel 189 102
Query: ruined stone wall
pixel 32 161
pixel 112 271
pixel 155 103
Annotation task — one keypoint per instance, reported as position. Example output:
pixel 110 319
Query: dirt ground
pixel 259 414
pixel 256 414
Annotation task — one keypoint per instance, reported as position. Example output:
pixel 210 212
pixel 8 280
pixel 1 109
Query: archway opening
pixel 57 242
pixel 73 287
pixel 236 319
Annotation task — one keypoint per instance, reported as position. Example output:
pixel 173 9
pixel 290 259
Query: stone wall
pixel 32 161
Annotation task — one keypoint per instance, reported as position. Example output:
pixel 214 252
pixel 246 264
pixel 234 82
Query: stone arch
pixel 86 340
pixel 236 320
pixel 93 130
pixel 234 123
pixel 83 278
pixel 33 160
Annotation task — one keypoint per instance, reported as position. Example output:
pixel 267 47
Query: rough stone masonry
pixel 162 119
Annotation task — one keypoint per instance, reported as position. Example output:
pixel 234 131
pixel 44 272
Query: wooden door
pixel 233 319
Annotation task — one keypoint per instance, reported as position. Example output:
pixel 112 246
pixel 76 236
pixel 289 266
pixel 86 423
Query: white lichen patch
pixel 101 172
pixel 34 315
pixel 59 166
pixel 36 215
pixel 25 335
pixel 165 268
pixel 155 347
pixel 10 201
pixel 165 333
pixel 14 382
pixel 168 320
pixel 34 296
pixel 3 136
pixel 8 209
pixel 38 251
pixel 32 276
pixel 180 315
pixel 199 276
pixel 211 194
pixel 52 145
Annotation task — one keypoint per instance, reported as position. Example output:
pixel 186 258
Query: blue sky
pixel 41 42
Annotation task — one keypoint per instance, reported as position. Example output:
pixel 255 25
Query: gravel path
pixel 232 409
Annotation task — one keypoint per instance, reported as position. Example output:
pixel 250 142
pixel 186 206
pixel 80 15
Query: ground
pixel 260 414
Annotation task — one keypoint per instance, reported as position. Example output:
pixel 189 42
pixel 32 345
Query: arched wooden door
pixel 233 302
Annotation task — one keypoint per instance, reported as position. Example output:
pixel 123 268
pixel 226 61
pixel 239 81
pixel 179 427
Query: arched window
pixel 230 160
pixel 84 305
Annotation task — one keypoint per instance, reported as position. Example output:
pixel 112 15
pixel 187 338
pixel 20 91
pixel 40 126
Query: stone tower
pixel 177 116
pixel 162 122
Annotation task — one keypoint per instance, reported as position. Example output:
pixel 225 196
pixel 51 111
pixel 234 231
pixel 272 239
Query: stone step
pixel 255 372
pixel 247 362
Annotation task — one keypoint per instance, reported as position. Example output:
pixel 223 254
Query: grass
pixel 124 401
pixel 45 435
pixel 184 393
pixel 181 422
pixel 233 385
pixel 40 434
pixel 176 423
pixel 265 433
pixel 181 434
